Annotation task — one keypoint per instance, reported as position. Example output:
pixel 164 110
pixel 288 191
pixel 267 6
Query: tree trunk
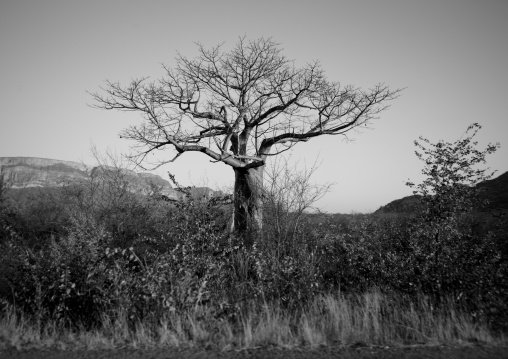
pixel 248 202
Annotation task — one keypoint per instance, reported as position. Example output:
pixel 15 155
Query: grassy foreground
pixel 371 319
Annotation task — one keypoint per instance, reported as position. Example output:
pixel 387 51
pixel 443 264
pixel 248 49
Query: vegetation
pixel 95 265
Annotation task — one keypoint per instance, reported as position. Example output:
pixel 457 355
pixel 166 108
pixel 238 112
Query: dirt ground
pixel 476 352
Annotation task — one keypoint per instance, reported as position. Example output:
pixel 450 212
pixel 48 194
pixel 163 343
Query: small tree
pixel 448 192
pixel 452 173
pixel 239 108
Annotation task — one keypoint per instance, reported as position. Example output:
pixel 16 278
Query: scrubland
pixel 96 266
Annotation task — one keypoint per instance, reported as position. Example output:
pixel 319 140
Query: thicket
pixel 89 251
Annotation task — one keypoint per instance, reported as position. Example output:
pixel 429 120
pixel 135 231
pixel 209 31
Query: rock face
pixel 26 172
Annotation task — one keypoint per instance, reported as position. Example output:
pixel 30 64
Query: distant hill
pixel 495 191
pixel 29 172
pixel 403 205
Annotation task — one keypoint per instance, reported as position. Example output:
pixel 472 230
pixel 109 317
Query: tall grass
pixel 371 319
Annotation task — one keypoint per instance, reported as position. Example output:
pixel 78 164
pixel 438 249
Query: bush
pixel 143 256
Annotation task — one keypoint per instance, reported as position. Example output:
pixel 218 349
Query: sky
pixel 450 56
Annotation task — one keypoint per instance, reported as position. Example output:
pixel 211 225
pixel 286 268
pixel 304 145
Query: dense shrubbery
pixel 112 251
pixel 395 255
pixel 191 262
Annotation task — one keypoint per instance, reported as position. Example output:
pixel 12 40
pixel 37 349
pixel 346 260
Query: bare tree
pixel 288 194
pixel 239 108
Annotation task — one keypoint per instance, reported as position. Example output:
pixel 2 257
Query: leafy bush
pixel 144 256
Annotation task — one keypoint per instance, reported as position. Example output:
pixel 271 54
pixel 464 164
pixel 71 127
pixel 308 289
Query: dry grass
pixel 369 319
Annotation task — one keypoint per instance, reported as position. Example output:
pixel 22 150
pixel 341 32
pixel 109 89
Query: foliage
pixel 451 174
pixel 452 252
pixel 179 257
pixel 448 194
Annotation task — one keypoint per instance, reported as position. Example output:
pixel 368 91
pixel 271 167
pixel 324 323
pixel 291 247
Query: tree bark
pixel 248 202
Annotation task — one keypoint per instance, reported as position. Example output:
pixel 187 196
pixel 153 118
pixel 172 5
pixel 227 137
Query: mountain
pixel 27 172
pixel 494 190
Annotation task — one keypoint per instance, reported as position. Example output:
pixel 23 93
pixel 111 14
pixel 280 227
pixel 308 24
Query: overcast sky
pixel 451 56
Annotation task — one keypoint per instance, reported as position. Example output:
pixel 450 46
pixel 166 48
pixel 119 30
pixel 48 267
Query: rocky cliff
pixel 26 172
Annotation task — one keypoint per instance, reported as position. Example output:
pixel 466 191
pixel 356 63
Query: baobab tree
pixel 240 107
